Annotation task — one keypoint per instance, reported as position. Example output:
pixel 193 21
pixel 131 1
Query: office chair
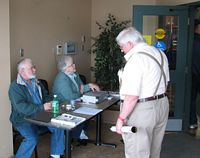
pixel 45 84
pixel 83 78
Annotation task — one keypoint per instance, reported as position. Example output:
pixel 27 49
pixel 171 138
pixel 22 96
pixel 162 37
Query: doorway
pixel 176 37
pixel 195 16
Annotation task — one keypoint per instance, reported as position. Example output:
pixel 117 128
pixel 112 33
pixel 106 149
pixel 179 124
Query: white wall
pixel 5 130
pixel 38 26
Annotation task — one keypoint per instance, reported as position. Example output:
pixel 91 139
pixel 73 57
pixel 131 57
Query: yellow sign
pixel 148 39
pixel 160 33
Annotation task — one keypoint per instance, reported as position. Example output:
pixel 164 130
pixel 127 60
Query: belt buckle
pixel 164 95
pixel 156 97
pixel 143 100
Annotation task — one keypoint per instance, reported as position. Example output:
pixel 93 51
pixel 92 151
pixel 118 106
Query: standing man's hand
pixel 47 106
pixel 119 125
pixel 128 105
pixel 81 89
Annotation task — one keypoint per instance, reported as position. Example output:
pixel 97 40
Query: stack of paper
pixel 94 97
pixel 87 111
pixel 67 119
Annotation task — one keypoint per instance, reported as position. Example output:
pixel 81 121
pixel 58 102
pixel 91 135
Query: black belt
pixel 150 98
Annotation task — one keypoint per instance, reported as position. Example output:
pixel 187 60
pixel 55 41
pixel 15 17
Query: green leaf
pixel 109 58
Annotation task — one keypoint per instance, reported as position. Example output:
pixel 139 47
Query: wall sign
pixel 160 33
pixel 160 45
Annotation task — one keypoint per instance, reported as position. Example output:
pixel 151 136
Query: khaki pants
pixel 150 118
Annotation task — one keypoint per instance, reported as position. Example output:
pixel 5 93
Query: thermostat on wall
pixel 59 49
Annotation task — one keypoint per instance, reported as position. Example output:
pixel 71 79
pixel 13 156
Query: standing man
pixel 28 96
pixel 195 75
pixel 144 105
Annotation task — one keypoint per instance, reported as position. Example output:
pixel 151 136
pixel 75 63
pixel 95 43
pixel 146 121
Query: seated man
pixel 27 97
pixel 68 86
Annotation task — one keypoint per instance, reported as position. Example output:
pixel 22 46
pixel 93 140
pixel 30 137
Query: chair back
pixel 83 78
pixel 45 84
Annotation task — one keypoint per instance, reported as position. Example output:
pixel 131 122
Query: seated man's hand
pixel 94 87
pixel 47 106
pixel 81 89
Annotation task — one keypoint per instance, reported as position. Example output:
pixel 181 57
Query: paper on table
pixel 87 111
pixel 67 119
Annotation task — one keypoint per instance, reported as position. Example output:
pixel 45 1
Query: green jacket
pixel 21 101
pixel 65 89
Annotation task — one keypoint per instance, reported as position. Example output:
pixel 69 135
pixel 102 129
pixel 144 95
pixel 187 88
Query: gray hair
pixel 22 63
pixel 64 62
pixel 129 34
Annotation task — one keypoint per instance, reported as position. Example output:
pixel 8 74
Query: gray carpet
pixel 175 145
pixel 180 145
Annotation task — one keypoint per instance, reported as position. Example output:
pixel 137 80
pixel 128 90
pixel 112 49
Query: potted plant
pixel 109 58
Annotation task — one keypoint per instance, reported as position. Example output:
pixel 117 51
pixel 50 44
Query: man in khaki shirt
pixel 144 105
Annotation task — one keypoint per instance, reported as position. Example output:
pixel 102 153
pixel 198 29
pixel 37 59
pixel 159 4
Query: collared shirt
pixel 73 77
pixel 141 74
pixel 34 91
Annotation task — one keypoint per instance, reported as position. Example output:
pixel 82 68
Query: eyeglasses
pixel 121 46
pixel 33 67
pixel 72 65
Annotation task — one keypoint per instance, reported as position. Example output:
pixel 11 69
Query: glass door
pixel 166 28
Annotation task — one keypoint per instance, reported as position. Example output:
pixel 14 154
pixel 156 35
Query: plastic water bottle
pixel 55 104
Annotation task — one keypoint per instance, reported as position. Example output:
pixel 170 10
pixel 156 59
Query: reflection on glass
pixel 171 96
pixel 170 25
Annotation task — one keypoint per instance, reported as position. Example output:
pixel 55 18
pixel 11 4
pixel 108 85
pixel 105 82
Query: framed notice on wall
pixel 70 48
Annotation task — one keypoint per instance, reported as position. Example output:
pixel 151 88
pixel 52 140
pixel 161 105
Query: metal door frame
pixel 175 123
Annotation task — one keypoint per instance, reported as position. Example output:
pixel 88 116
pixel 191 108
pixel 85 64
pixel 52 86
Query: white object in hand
pixel 125 129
